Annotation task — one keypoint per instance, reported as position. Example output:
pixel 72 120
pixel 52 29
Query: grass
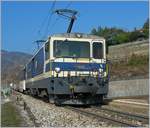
pixel 10 117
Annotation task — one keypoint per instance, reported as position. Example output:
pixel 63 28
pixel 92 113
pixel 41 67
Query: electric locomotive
pixel 70 68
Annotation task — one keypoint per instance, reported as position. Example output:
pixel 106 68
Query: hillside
pixel 129 61
pixel 11 64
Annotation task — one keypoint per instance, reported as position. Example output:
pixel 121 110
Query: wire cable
pixel 49 19
pixel 53 25
pixel 45 23
pixel 68 5
pixel 45 19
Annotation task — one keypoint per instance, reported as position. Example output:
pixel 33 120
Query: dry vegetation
pixel 136 66
pixel 10 116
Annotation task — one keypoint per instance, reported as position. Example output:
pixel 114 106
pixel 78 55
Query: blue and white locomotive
pixel 70 68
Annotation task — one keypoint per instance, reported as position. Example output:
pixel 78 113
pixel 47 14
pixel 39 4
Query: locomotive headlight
pixel 101 72
pixel 57 70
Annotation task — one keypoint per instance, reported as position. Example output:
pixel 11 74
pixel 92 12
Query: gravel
pixel 49 115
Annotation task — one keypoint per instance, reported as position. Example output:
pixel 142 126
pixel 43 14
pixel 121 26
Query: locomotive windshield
pixel 69 49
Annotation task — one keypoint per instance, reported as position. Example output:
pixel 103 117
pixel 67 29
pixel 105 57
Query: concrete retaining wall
pixel 138 87
pixel 124 51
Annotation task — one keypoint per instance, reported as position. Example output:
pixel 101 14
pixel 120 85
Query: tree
pixel 117 36
pixel 122 38
pixel 112 35
pixel 134 35
pixel 94 32
pixel 146 28
pixel 146 24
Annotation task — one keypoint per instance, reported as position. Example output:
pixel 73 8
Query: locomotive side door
pixel 98 51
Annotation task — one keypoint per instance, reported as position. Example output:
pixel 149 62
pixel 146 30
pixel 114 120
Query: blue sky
pixel 25 22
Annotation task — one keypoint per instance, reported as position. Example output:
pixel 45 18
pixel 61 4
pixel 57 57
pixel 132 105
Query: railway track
pixel 134 116
pixel 100 114
pixel 112 117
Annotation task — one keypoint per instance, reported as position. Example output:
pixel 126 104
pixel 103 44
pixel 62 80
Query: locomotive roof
pixel 75 35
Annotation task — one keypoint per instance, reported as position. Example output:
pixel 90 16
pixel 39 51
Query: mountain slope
pixel 11 64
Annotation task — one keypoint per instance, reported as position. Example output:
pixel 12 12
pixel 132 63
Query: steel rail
pixel 84 112
pixel 124 113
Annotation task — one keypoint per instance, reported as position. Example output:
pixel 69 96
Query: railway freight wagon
pixel 69 68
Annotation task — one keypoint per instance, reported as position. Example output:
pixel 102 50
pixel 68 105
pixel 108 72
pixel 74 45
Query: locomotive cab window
pixel 97 50
pixel 71 49
pixel 47 51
